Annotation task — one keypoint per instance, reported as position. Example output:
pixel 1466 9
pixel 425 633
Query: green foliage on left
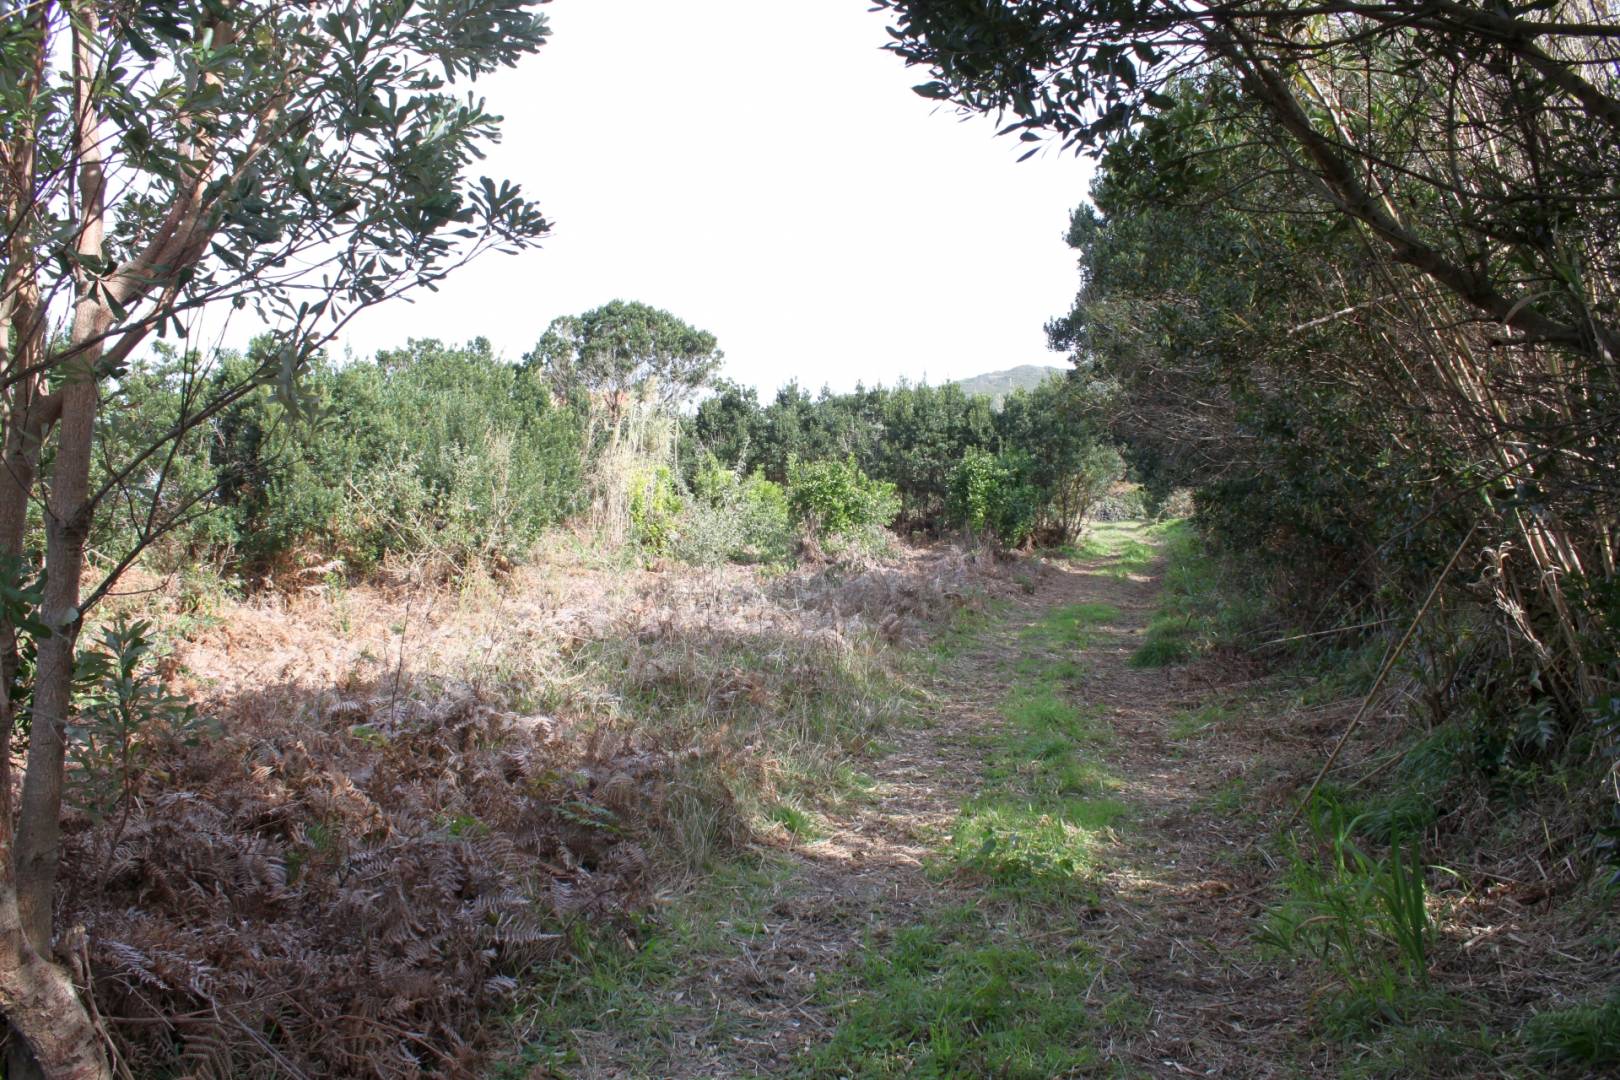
pixel 123 712
pixel 427 450
pixel 836 498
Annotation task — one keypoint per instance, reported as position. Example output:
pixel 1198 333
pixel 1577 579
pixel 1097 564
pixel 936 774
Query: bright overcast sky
pixel 761 169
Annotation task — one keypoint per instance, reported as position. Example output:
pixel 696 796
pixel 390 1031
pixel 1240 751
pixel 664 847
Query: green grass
pixel 1120 545
pixel 799 823
pixel 1133 558
pixel 1436 1039
pixel 1586 1035
pixel 958 997
pixel 1031 833
pixel 1073 626
pixel 964 631
pixel 1193 723
pixel 1363 915
pixel 1043 708
pixel 1041 852
pixel 1086 548
pixel 1198 608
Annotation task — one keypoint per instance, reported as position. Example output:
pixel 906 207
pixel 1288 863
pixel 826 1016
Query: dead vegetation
pixel 408 794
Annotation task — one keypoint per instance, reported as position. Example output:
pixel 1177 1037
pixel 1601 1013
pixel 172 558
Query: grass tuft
pixel 1587 1035
pixel 1199 609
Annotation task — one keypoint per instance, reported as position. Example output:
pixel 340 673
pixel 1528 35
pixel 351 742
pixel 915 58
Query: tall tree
pixel 301 160
pixel 626 350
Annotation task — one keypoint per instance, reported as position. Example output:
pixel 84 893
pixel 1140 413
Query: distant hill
pixel 998 384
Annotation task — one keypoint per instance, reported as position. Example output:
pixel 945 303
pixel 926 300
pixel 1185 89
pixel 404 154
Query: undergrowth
pixel 1363 916
pixel 504 781
pixel 614 999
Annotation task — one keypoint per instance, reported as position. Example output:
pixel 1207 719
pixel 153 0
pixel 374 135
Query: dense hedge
pixel 424 450
pixel 1347 435
pixel 453 455
pixel 917 438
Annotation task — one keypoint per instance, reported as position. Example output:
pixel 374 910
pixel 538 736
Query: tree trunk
pixel 44 1008
pixel 38 995
pixel 67 521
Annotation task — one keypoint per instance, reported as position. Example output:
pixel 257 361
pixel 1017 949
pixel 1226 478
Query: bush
pixel 427 450
pixel 991 493
pixel 835 497
pixel 655 509
pixel 732 517
pixel 164 499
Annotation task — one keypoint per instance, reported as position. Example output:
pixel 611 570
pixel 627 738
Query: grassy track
pixel 1064 862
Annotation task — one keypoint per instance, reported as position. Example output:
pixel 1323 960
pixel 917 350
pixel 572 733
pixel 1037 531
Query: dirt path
pixel 1048 877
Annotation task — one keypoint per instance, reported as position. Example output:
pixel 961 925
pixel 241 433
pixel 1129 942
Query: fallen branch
pixel 1383 674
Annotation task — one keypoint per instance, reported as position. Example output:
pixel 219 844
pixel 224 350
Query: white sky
pixel 762 170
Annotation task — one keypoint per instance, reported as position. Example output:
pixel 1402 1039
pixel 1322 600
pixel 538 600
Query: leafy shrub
pixel 655 510
pixel 1092 470
pixel 734 517
pixel 835 497
pixel 428 449
pixel 991 493
pixel 122 711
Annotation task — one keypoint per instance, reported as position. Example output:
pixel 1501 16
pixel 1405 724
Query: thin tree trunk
pixel 38 995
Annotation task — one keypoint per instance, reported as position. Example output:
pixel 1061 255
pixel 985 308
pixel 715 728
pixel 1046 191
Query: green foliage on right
pixel 920 438
pixel 1585 1035
pixel 1343 443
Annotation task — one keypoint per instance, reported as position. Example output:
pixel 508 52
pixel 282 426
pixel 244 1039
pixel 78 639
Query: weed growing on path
pixel 1364 917
pixel 1073 626
pixel 1003 986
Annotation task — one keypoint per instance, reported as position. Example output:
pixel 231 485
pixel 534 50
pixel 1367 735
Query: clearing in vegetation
pixel 1068 858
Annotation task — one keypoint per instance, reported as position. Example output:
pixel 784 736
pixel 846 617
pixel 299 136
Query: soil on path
pixel 1178 884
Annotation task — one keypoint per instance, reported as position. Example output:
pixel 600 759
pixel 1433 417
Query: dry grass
pixel 414 790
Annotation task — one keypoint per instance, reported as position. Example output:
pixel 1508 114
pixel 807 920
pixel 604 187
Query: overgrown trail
pixel 1047 877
